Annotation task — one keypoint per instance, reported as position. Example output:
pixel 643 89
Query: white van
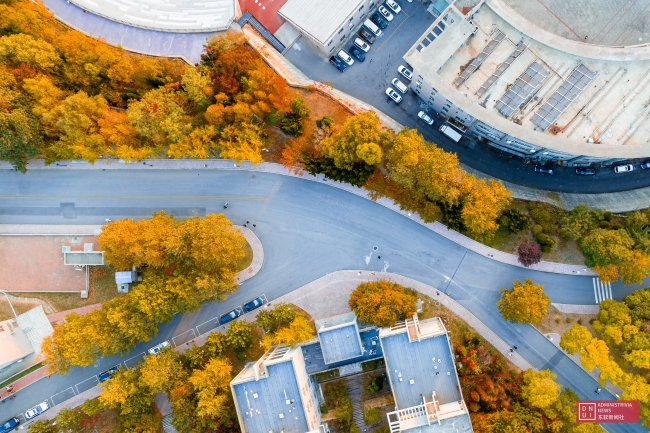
pixel 451 133
pixel 399 85
pixel 372 27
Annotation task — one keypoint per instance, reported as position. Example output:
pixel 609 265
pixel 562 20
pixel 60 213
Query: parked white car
pixel 405 72
pixel 361 45
pixel 37 410
pixel 422 115
pixel 393 95
pixel 345 57
pixel 157 348
pixel 385 13
pixel 623 168
pixel 392 4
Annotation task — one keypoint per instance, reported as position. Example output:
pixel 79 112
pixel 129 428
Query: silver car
pixel 623 168
pixel 422 115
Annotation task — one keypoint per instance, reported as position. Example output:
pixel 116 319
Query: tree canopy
pixel 524 303
pixel 187 262
pixel 382 302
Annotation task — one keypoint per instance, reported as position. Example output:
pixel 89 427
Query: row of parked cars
pixel 369 31
pixel 12 423
pixel 588 171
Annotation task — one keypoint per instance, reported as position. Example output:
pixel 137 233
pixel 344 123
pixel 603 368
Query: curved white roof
pixel 182 16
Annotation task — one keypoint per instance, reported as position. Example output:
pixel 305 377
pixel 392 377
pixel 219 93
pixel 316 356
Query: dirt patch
pixel 20 307
pixel 320 106
pixel 35 264
pixel 558 322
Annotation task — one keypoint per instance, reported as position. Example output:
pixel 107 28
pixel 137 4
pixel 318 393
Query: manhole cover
pixel 374 248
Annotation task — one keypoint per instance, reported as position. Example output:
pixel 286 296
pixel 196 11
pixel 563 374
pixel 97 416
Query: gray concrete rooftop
pixel 319 18
pixel 412 367
pixel 609 118
pixel 598 22
pixel 263 403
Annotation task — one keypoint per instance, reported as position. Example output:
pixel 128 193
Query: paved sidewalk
pixel 24 381
pixel 48 230
pixel 58 317
pixel 70 403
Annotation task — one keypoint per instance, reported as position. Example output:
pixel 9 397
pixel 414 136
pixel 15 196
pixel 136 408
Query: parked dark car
pixel 251 305
pixel 381 22
pixel 108 373
pixel 228 317
pixel 367 35
pixel 645 165
pixel 9 425
pixel 357 53
pixel 338 63
pixel 543 170
pixel 585 171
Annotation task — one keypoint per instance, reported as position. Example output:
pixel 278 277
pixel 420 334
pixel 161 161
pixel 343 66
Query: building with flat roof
pixel 275 394
pixel 22 336
pixel 327 23
pixel 339 338
pixel 423 378
pixel 526 95
pixel 180 16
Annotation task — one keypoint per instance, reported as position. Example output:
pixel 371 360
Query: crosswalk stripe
pixel 602 291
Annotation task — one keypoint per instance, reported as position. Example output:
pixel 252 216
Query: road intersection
pixel 308 229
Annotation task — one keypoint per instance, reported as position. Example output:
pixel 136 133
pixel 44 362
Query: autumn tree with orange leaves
pixel 382 302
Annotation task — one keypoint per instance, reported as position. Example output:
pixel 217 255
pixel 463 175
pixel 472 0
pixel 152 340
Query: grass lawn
pixel 20 307
pixel 247 259
pixel 15 377
pixel 558 322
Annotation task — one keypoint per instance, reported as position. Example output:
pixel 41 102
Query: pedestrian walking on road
pixel 597 390
pixel 379 257
pixel 515 347
pixel 254 225
pixel 225 206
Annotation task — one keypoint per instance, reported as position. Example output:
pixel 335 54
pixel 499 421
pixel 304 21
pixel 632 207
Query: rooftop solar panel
pixel 479 59
pixel 563 96
pixel 522 88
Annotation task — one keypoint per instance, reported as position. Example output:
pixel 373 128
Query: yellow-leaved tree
pixel 525 303
pixel 382 302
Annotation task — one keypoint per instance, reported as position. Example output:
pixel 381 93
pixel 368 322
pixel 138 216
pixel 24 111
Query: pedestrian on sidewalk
pixel 510 354
pixel 515 347
pixel 511 350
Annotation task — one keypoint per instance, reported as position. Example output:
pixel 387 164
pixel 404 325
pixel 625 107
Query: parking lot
pixel 368 80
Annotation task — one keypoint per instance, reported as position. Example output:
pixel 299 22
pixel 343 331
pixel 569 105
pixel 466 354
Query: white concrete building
pixel 275 394
pixel 527 94
pixel 327 23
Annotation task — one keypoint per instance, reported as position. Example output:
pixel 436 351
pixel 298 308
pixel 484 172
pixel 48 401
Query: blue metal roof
pixel 314 354
pixel 261 414
pixel 418 361
pixel 341 343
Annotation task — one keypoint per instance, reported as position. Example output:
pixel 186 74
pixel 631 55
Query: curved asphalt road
pixel 307 229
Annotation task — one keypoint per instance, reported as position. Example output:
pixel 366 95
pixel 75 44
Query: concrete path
pixel 329 295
